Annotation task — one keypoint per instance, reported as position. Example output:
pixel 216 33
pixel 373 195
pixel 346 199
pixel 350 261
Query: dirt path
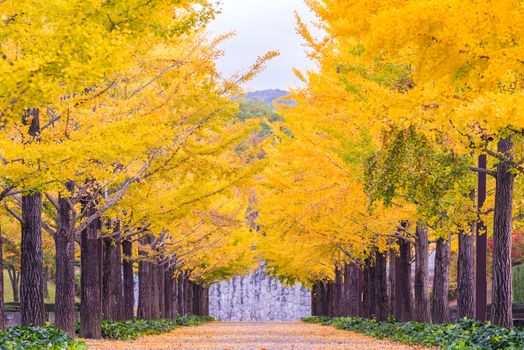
pixel 254 336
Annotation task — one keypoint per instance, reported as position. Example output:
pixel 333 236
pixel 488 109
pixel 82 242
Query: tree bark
pixel 129 282
pixel 481 287
pixel 381 287
pixel 144 284
pixel 368 290
pixel 65 269
pixel 170 294
pixel 112 294
pixel 466 277
pixel 14 278
pixel 501 307
pixel 45 281
pixel 403 295
pixel 440 302
pixel 91 282
pixel 421 274
pixel 2 308
pixel 155 293
pixel 32 307
pixel 353 286
pixel 391 280
pixel 161 290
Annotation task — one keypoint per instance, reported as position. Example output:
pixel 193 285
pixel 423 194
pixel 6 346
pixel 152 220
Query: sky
pixel 261 26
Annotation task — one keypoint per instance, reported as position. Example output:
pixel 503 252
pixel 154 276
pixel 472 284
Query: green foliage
pixel 463 335
pixel 192 320
pixel 518 284
pixel 256 109
pixel 132 329
pixel 47 337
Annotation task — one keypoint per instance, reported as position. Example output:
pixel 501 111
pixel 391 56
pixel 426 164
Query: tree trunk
pixel 155 293
pixel 501 312
pixel 65 269
pixel 2 309
pixel 32 307
pixel 129 282
pixel 403 295
pixel 391 280
pixel 161 290
pixel 421 274
pixel 91 282
pixel 381 287
pixel 144 284
pixel 368 288
pixel 112 294
pixel 14 278
pixel 466 277
pixel 440 302
pixel 352 283
pixel 180 295
pixel 45 281
pixel 170 294
pixel 345 291
pixel 481 280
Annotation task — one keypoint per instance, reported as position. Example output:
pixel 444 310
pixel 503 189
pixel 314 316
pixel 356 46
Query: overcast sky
pixel 260 26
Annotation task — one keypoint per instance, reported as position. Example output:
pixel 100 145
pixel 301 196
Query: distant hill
pixel 268 96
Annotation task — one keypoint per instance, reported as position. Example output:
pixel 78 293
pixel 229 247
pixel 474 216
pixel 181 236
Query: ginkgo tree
pixel 430 67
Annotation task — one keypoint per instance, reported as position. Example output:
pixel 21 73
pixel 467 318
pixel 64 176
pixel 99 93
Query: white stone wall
pixel 258 297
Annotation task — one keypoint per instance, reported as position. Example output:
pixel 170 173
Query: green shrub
pixel 132 329
pixel 36 338
pixel 463 335
pixel 192 320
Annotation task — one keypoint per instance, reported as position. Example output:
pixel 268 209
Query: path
pixel 254 336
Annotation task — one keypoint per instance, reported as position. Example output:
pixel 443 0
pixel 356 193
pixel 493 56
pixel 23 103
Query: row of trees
pixel 410 133
pixel 119 150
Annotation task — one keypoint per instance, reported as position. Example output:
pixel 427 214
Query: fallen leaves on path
pixel 253 336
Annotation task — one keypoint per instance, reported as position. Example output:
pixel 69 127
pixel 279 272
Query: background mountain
pixel 268 96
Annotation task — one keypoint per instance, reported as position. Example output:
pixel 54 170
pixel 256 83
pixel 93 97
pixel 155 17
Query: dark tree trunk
pixel 481 297
pixel 91 282
pixel 45 281
pixel 353 286
pixel 112 294
pixel 32 307
pixel 439 305
pixel 381 287
pixel 366 293
pixel 391 280
pixel 501 312
pixel 144 284
pixel 65 269
pixel 315 299
pixel 180 296
pixel 2 309
pixel 14 278
pixel 161 290
pixel 205 301
pixel 466 276
pixel 170 294
pixel 189 296
pixel 421 274
pixel 345 291
pixel 129 282
pixel 155 292
pixel 403 295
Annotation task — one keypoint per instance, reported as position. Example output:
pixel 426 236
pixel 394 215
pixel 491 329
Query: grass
pixel 8 290
pixel 518 284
